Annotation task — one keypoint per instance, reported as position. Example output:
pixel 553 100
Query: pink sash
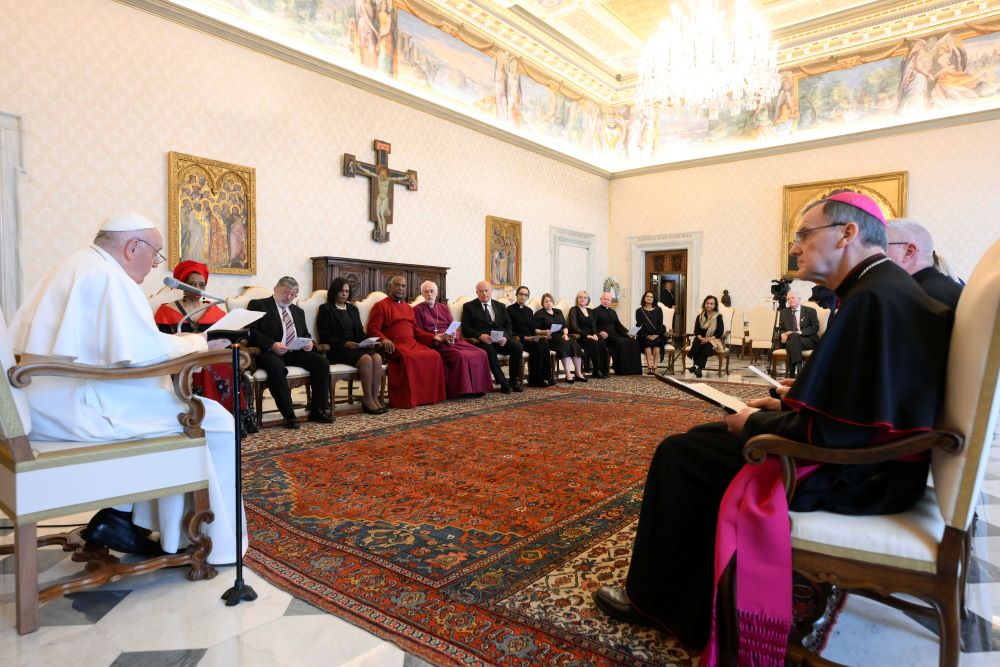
pixel 754 526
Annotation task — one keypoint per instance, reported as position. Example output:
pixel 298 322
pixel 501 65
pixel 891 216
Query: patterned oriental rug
pixel 472 532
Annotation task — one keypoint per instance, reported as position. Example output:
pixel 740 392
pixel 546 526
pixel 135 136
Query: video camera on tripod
pixel 779 291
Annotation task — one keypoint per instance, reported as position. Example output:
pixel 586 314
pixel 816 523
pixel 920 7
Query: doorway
pixel 666 276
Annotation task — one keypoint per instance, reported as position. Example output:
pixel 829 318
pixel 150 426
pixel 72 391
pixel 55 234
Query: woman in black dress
pixel 339 326
pixel 535 342
pixel 581 322
pixel 652 333
pixel 566 348
pixel 708 328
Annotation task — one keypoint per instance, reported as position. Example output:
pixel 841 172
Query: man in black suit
pixel 667 295
pixel 912 247
pixel 484 315
pixel 274 333
pixel 799 329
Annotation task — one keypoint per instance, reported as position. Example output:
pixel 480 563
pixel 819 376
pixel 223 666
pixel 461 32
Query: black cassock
pixel 624 351
pixel 865 383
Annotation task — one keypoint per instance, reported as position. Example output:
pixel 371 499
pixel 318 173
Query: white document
pixel 368 342
pixel 237 319
pixel 496 335
pixel 452 328
pixel 633 331
pixel 555 328
pixel 770 380
pixel 299 343
pixel 708 393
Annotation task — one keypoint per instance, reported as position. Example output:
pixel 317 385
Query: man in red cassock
pixel 416 374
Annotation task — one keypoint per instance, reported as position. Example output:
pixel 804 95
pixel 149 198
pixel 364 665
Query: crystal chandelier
pixel 698 60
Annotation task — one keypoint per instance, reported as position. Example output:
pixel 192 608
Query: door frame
pixel 638 246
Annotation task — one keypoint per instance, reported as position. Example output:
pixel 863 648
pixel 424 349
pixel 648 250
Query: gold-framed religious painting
pixel 888 191
pixel 503 252
pixel 212 214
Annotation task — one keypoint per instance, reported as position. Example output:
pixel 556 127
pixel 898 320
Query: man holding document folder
pixel 863 385
pixel 284 340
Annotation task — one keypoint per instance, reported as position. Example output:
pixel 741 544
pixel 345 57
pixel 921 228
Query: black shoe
pixel 292 423
pixel 569 380
pixel 693 369
pixel 505 388
pixel 605 376
pixel 114 529
pixel 371 411
pixel 516 386
pixel 614 602
pixel 582 378
pixel 697 372
pixel 321 417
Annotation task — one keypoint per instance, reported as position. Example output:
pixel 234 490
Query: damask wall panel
pixel 952 190
pixel 105 91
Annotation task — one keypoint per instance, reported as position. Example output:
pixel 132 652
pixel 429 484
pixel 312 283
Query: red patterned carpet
pixel 472 532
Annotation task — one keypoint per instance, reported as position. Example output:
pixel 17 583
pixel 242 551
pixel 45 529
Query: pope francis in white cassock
pixel 90 310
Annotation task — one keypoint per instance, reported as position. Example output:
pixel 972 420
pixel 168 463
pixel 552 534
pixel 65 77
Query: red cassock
pixel 466 367
pixel 416 374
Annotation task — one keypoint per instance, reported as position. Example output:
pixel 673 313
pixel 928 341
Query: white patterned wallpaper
pixel 954 190
pixel 105 91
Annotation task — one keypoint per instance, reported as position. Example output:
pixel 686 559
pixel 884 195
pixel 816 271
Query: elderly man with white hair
pixel 912 247
pixel 89 309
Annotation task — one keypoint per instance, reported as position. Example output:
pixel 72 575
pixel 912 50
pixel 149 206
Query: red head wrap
pixel 187 267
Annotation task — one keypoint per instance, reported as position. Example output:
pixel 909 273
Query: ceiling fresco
pixel 561 73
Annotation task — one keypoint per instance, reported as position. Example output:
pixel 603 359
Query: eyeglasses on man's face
pixel 158 257
pixel 803 235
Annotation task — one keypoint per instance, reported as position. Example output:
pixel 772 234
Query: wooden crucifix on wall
pixel 381 179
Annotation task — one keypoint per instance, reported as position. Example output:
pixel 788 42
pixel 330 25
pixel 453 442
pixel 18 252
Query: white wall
pixel 105 91
pixel 954 190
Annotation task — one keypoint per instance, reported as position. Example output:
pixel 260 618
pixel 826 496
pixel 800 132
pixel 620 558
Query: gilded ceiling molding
pixel 894 49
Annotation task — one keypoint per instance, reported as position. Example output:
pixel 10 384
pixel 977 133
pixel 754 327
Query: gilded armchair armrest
pixel 180 369
pixel 757 449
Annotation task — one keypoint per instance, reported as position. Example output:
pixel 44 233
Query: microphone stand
pixel 240 590
pixel 187 316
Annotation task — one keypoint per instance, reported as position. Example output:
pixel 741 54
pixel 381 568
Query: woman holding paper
pixel 708 331
pixel 535 341
pixel 466 367
pixel 339 326
pixel 194 316
pixel 566 348
pixel 652 333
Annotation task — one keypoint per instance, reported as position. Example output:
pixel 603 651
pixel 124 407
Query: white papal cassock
pixel 89 311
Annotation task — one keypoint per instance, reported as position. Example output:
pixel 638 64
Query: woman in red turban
pixel 169 315
pixel 214 381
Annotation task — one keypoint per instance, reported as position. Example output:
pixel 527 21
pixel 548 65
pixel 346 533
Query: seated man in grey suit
pixel 484 315
pixel 282 324
pixel 799 328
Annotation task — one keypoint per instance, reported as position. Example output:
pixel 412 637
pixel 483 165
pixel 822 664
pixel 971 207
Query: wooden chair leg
pixel 26 577
pixel 951 636
pixel 258 396
pixel 333 395
pixel 350 392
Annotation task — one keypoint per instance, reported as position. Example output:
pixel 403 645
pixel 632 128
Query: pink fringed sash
pixel 754 526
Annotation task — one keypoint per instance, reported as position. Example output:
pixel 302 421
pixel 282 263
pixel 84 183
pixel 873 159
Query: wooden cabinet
pixel 366 276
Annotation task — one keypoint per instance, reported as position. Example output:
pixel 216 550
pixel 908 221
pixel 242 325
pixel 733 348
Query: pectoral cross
pixel 381 179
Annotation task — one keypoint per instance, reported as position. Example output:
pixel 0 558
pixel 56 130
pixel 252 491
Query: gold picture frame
pixel 212 212
pixel 888 191
pixel 503 252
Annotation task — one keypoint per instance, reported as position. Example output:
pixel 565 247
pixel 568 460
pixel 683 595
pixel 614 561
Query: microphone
pixel 170 281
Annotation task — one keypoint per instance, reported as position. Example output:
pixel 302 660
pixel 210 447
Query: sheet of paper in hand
pixel 299 343
pixel 707 393
pixel 495 336
pixel 452 328
pixel 368 342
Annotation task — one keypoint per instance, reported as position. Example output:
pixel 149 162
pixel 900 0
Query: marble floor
pixel 161 619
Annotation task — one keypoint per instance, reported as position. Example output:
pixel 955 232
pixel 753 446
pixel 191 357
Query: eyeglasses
pixel 898 243
pixel 158 257
pixel 803 235
pixel 523 294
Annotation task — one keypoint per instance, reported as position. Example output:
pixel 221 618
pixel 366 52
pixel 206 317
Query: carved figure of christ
pixel 381 179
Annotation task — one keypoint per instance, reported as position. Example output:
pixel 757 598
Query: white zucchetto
pixel 128 221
